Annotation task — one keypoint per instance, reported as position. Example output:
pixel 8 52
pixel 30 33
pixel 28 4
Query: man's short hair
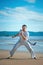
pixel 24 25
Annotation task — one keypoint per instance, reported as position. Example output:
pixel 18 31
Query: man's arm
pixel 15 35
pixel 23 36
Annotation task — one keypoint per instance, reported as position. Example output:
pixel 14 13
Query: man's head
pixel 24 27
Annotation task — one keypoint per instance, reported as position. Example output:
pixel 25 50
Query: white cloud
pixel 30 1
pixel 22 14
pixel 4 13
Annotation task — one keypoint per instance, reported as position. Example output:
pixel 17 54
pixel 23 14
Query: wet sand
pixel 20 58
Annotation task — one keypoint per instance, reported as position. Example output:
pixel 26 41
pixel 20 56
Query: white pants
pixel 26 44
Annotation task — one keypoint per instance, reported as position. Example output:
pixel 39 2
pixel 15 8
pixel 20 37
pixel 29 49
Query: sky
pixel 15 13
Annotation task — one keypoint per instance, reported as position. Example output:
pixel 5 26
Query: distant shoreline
pixel 10 33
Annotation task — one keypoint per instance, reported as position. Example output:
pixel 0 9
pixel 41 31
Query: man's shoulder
pixel 26 32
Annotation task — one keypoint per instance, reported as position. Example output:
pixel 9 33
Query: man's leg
pixel 28 46
pixel 32 43
pixel 14 48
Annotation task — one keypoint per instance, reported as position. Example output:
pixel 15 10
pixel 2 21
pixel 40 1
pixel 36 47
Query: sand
pixel 20 58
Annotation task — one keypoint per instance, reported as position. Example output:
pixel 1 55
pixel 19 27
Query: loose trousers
pixel 26 44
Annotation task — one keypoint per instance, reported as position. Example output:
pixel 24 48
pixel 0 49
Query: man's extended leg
pixel 14 48
pixel 28 46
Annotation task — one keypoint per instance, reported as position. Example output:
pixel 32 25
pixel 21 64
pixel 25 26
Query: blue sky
pixel 15 13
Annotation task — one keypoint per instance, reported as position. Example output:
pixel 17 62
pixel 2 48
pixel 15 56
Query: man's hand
pixel 23 36
pixel 21 33
pixel 13 36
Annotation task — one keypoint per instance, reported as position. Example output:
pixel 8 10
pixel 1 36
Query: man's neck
pixel 23 31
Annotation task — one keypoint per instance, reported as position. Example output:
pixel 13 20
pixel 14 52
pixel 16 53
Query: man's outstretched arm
pixel 15 35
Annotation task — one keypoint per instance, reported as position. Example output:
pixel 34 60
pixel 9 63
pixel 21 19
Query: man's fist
pixel 21 33
pixel 13 36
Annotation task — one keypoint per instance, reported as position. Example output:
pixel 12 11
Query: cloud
pixel 30 1
pixel 22 14
pixel 4 13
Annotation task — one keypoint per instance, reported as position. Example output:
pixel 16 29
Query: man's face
pixel 24 28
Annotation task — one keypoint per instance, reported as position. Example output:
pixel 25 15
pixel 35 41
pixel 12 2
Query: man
pixel 24 36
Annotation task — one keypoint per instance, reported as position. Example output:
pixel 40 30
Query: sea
pixel 7 43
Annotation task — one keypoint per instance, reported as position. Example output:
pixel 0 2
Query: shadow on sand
pixel 15 59
pixel 20 58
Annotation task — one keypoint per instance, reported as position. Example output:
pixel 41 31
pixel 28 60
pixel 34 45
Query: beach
pixel 20 58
